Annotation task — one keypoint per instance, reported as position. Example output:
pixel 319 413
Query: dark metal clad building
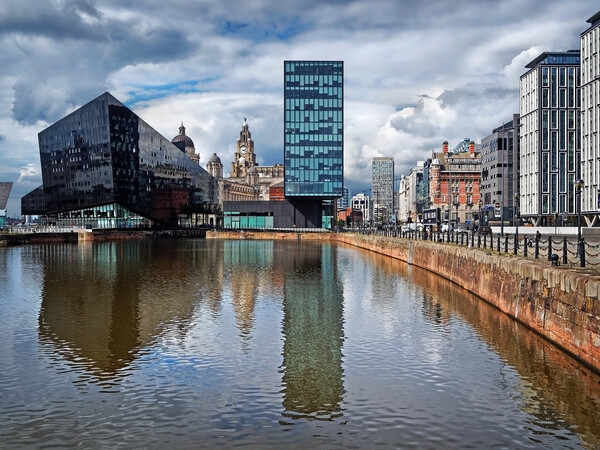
pixel 103 166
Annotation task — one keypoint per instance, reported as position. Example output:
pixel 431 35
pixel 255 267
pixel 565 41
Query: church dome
pixel 214 159
pixel 182 141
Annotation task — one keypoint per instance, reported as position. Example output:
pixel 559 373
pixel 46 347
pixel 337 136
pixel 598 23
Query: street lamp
pixel 578 187
pixel 517 198
pixel 479 203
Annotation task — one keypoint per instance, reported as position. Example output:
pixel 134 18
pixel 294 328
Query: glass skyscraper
pixel 313 129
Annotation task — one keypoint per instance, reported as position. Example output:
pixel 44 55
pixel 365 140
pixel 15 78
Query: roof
pixel 594 19
pixel 569 57
pixel 181 137
pixel 5 188
pixel 214 159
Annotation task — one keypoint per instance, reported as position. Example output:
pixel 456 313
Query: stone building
pixel 248 181
pixel 185 144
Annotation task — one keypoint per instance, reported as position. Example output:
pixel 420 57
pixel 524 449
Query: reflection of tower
pixel 242 258
pixel 244 157
pixel 312 326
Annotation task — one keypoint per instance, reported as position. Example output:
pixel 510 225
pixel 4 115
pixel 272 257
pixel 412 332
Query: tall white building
pixel 549 140
pixel 590 117
pixel 403 200
pixel 382 188
pixel 362 202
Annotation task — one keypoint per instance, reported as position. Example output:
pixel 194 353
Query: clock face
pixel 243 149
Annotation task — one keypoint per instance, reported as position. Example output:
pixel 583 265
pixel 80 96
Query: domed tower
pixel 185 144
pixel 215 167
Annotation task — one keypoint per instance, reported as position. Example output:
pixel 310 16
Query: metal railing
pixel 556 250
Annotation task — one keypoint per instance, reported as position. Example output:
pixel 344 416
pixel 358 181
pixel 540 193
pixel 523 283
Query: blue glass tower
pixel 313 129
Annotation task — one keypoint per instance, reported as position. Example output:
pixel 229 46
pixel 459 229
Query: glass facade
pixel 313 128
pixel 103 154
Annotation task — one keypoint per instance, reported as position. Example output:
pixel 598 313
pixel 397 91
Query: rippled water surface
pixel 196 343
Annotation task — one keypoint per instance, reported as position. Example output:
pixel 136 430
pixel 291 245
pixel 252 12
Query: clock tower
pixel 244 157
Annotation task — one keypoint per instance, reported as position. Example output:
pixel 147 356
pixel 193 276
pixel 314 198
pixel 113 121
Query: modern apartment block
pixel 590 117
pixel 499 168
pixel 550 136
pixel 382 189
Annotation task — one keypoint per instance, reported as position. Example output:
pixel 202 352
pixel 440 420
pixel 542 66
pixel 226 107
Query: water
pixel 196 344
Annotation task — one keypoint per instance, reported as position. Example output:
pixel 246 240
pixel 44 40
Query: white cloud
pixel 416 73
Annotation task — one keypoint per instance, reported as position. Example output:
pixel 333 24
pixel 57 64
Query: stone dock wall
pixel 560 304
pixel 9 240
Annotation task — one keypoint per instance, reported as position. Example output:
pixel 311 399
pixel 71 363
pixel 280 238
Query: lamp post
pixel 479 203
pixel 578 187
pixel 517 198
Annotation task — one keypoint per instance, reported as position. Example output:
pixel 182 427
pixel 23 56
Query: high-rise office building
pixel 382 189
pixel 344 201
pixel 314 135
pixel 104 167
pixel 549 140
pixel 499 169
pixel 590 118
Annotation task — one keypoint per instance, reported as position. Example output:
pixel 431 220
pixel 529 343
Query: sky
pixel 416 73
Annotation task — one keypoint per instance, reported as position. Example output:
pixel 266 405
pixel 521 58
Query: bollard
pixel 516 247
pixel 525 246
pixel 565 260
pixel 485 241
pixel 479 241
pixel 537 245
pixel 472 238
pixel 554 259
pixel 506 243
pixel 498 244
pixel 462 239
pixel 582 253
pixel 549 248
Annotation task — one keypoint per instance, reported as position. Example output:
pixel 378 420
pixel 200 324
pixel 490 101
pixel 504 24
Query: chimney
pixel 472 147
pixel 445 146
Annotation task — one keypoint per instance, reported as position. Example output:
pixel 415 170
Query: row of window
pixel 571 75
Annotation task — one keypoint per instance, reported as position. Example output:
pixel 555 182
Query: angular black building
pixel 104 167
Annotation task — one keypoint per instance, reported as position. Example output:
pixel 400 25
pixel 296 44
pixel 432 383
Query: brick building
pixel 454 183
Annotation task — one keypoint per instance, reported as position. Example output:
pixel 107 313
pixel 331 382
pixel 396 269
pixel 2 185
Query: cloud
pixel 30 173
pixel 416 73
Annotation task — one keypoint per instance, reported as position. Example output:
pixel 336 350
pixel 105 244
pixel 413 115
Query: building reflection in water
pixel 115 304
pixel 554 388
pixel 249 266
pixel 313 377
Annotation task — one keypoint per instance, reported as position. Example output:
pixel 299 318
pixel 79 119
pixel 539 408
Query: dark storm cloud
pixel 55 21
pixel 85 48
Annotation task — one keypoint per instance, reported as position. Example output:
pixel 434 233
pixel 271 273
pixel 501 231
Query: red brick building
pixel 454 183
